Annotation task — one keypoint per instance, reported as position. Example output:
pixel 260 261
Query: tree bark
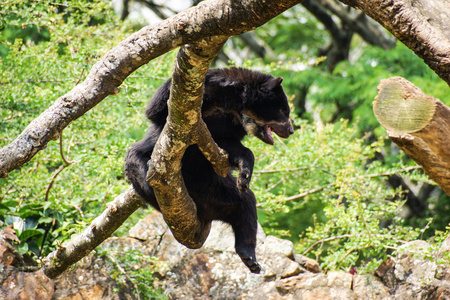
pixel 257 46
pixel 339 47
pixel 342 29
pixel 209 18
pixel 419 124
pixel 422 25
pixel 185 127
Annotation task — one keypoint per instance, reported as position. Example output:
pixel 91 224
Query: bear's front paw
pixel 243 181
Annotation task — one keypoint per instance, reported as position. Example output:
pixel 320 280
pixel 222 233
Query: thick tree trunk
pixel 419 124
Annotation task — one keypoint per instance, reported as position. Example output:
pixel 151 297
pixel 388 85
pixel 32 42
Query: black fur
pixel 236 102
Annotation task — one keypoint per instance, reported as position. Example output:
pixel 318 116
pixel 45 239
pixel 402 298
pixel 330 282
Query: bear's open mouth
pixel 283 129
pixel 263 130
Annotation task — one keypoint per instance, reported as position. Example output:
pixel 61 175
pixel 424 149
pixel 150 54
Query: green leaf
pixel 29 233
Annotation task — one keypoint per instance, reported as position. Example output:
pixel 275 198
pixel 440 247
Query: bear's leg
pixel 239 210
pixel 136 167
pixel 245 228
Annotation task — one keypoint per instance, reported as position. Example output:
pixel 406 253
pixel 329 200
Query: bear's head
pixel 266 110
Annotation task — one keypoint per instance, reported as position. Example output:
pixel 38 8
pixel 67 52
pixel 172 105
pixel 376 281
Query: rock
pixel 221 237
pixel 414 271
pixel 152 227
pixel 277 246
pixel 309 264
pixel 92 278
pixel 386 272
pixel 278 266
pixel 25 285
pixel 370 287
pixel 15 284
pixel 411 266
pixel 207 271
pixel 8 253
pixel 337 285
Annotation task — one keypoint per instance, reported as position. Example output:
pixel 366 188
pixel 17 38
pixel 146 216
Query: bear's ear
pixel 272 83
pixel 278 80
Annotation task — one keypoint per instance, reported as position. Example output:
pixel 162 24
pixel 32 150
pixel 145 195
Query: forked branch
pixel 185 127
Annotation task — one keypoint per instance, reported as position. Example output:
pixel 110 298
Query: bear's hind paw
pixel 252 264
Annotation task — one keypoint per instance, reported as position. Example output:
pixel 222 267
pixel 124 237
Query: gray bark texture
pixel 80 245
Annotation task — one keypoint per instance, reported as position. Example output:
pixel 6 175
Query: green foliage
pixel 133 267
pixel 294 34
pixel 437 216
pixel 29 234
pixel 36 21
pixel 323 187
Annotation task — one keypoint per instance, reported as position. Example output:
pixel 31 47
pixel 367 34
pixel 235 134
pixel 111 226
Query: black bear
pixel 236 102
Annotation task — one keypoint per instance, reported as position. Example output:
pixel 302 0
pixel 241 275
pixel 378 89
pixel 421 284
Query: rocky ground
pixel 216 272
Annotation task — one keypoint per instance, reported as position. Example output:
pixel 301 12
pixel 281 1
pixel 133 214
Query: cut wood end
pixel 401 107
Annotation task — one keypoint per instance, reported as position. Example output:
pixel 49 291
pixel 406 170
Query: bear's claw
pixel 243 181
pixel 252 264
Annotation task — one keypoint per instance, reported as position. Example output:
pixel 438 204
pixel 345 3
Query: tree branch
pixel 419 124
pixel 339 48
pixel 321 188
pixel 349 236
pixel 101 228
pixel 259 47
pixel 368 29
